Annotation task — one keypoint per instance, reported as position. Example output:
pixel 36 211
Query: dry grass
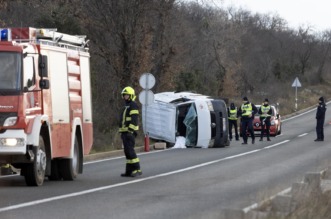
pixel 319 208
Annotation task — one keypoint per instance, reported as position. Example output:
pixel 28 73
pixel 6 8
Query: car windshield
pixel 10 68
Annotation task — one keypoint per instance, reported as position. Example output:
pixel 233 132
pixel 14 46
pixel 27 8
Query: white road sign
pixel 296 82
pixel 147 81
pixel 146 97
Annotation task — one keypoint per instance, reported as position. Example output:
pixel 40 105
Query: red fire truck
pixel 45 103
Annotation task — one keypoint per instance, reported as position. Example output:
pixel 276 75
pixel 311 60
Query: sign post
pixel 296 84
pixel 146 97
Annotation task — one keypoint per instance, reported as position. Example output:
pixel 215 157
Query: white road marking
pixel 277 144
pixel 302 135
pixel 75 194
pixel 256 205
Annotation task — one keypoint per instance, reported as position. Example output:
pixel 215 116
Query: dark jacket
pixel 320 113
pixel 129 117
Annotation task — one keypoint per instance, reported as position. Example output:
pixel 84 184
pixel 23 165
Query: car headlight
pixel 10 121
pixel 11 142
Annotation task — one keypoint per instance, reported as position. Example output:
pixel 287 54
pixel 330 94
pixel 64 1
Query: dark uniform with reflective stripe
pixel 265 112
pixel 233 118
pixel 128 129
pixel 247 112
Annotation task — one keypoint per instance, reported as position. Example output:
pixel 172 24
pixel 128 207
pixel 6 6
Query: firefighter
pixel 265 112
pixel 128 129
pixel 233 118
pixel 320 119
pixel 247 112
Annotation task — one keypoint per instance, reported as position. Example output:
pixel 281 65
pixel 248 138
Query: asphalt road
pixel 177 183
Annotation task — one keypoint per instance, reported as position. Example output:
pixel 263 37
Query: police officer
pixel 320 119
pixel 128 129
pixel 247 112
pixel 265 112
pixel 233 118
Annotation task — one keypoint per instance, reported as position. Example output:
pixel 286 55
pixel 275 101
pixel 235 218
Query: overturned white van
pixel 201 120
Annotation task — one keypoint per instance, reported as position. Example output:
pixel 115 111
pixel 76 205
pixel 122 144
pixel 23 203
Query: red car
pixel 276 123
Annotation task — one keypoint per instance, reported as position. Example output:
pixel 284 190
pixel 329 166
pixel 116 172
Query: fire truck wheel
pixel 70 167
pixel 35 172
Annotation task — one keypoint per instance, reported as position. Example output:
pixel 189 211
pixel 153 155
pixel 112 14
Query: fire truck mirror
pixel 44 84
pixel 43 69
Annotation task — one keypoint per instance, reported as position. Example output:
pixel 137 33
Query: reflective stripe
pixel 136 171
pixel 136 160
pixel 134 112
pixel 123 119
pixel 123 129
pixel 134 127
pixel 128 118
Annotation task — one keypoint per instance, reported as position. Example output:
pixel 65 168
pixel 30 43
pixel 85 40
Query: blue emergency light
pixel 5 34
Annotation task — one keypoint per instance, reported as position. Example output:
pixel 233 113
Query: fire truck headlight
pixel 12 142
pixel 10 121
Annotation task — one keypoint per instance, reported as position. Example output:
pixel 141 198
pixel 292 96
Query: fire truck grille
pixel 4 116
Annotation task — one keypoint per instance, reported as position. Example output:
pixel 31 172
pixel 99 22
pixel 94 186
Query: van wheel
pixel 34 173
pixel 70 167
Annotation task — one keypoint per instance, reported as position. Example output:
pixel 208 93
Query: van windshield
pixel 187 123
pixel 10 69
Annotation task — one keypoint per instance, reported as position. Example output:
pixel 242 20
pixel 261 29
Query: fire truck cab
pixel 45 103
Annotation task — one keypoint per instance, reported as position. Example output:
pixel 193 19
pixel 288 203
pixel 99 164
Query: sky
pixel 313 13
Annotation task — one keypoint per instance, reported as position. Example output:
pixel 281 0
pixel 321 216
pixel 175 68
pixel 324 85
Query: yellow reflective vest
pixel 247 109
pixel 233 114
pixel 264 111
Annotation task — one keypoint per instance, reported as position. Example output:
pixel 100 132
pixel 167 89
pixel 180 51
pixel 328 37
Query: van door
pixel 159 121
pixel 204 123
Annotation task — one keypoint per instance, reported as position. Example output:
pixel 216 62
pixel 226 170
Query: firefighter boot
pixel 136 169
pixel 128 171
pixel 136 173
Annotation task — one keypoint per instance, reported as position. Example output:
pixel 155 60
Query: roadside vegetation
pixel 225 53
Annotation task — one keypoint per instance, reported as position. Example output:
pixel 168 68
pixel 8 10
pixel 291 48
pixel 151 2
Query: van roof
pixel 169 97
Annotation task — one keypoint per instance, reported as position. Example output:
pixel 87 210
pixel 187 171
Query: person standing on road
pixel 247 112
pixel 128 129
pixel 233 118
pixel 265 112
pixel 320 119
